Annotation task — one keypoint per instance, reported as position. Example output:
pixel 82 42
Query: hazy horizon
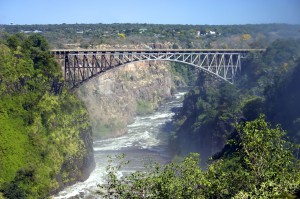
pixel 171 12
pixel 41 24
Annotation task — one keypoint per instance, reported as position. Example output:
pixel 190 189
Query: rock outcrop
pixel 114 97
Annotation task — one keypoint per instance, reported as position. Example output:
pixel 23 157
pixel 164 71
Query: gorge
pixel 114 98
pixel 46 130
pixel 146 141
pixel 129 108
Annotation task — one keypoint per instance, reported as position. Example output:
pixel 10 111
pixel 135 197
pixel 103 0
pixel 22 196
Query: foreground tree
pixel 175 180
pixel 256 163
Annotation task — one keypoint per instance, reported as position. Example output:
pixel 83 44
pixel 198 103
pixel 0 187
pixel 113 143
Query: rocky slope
pixel 116 96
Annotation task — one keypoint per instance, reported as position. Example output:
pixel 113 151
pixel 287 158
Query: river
pixel 146 140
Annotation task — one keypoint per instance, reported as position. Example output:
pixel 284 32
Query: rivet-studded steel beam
pixel 82 65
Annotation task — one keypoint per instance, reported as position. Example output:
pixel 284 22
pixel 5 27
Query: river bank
pixel 146 140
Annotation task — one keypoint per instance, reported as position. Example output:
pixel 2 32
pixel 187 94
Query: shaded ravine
pixel 146 140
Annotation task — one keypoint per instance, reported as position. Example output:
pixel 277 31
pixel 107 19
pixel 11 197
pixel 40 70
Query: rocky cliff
pixel 116 96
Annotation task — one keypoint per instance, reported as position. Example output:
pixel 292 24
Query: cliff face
pixel 77 168
pixel 45 134
pixel 116 96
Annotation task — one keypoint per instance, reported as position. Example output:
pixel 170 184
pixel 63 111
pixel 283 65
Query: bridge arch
pixel 186 63
pixel 81 66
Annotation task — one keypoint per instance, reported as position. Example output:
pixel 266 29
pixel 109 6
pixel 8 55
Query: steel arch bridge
pixel 81 65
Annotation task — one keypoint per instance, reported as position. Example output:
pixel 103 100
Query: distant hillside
pixel 181 36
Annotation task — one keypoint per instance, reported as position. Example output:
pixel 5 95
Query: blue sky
pixel 214 12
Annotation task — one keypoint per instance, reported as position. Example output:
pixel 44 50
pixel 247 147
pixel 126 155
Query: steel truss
pixel 82 66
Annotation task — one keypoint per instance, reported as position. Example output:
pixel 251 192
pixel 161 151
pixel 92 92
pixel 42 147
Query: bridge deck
pixel 64 51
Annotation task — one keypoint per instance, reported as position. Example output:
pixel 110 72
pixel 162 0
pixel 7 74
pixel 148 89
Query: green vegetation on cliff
pixel 44 129
pixel 268 84
pixel 144 107
pixel 257 162
pixel 183 75
pixel 255 159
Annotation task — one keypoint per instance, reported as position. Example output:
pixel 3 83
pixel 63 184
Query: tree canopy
pixel 261 165
pixel 42 126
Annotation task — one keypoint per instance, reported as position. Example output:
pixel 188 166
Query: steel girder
pixel 82 66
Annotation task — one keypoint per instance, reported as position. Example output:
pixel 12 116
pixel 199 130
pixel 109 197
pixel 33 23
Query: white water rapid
pixel 145 141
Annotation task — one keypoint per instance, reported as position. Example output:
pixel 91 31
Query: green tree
pixel 261 165
pixel 14 41
pixel 175 180
pixel 282 104
pixel 257 162
pixel 253 108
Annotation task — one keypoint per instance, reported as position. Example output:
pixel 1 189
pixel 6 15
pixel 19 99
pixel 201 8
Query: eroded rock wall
pixel 114 97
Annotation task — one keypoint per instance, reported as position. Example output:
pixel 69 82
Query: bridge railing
pixel 64 51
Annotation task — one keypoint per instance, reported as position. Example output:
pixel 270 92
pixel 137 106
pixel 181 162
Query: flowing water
pixel 146 140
